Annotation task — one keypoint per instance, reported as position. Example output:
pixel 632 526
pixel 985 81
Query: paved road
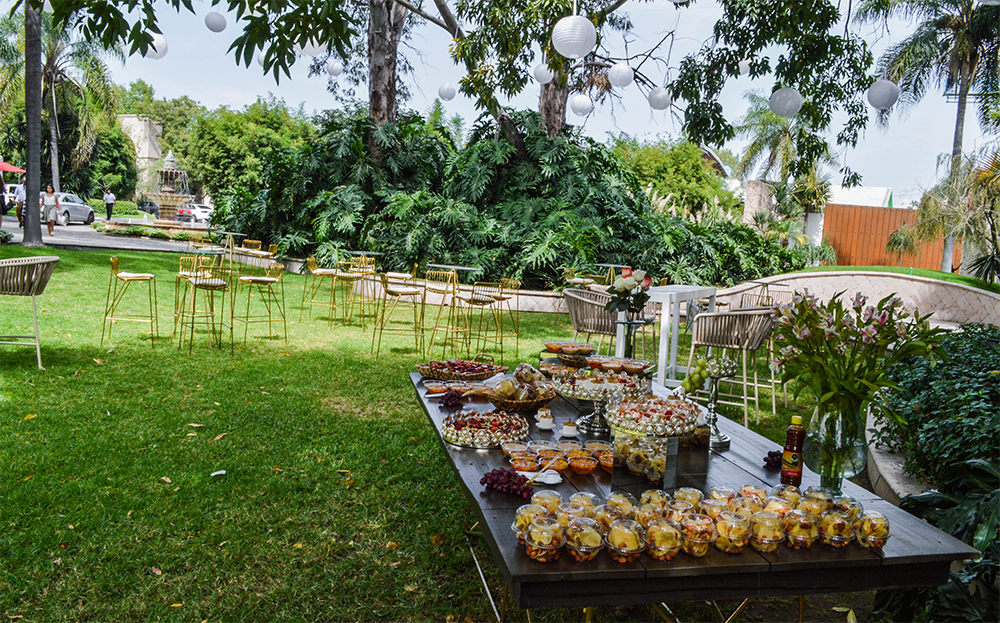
pixel 77 237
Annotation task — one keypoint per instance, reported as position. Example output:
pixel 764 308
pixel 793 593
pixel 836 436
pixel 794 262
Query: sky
pixel 902 156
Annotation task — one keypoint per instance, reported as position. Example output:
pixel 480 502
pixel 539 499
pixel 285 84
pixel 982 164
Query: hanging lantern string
pixel 605 62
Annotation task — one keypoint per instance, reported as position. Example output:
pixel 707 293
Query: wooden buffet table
pixel 916 554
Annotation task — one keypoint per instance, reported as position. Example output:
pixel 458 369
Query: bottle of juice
pixel 791 458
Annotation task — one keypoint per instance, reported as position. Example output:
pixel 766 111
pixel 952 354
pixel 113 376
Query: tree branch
pixel 449 18
pixel 427 16
pixel 611 8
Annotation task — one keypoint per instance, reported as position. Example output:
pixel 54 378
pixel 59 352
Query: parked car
pixel 71 208
pixel 149 207
pixel 194 213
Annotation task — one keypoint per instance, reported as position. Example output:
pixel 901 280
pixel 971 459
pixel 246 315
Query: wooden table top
pixel 916 554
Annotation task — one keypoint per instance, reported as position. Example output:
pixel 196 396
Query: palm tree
pixel 956 45
pixel 74 76
pixel 772 141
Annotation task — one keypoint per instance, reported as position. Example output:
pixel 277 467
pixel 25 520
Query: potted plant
pixel 841 355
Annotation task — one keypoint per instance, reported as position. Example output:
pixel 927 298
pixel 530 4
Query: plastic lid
pixel 796 420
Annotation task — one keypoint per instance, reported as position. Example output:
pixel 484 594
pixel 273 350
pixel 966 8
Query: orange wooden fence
pixel 859 235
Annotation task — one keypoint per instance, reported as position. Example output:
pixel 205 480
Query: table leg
pixel 802 608
pixel 588 614
pixel 674 337
pixel 664 612
pixel 620 335
pixel 665 332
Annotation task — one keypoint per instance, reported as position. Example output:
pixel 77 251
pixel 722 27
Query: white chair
pixel 26 276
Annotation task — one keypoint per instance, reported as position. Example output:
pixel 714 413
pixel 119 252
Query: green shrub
pixel 122 208
pixel 158 234
pixel 134 231
pixel 5 236
pixel 181 236
pixel 949 412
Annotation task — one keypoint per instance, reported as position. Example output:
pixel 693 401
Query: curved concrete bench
pixel 950 302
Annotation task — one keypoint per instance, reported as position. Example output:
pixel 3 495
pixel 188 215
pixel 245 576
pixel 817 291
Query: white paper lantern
pixel 744 66
pixel 621 75
pixel 158 48
pixel 883 94
pixel 581 104
pixel 47 6
pixel 446 91
pixel 574 36
pixel 334 67
pixel 659 99
pixel 311 48
pixel 786 102
pixel 260 58
pixel 543 74
pixel 215 21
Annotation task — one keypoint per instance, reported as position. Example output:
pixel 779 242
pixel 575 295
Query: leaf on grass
pixel 851 617
pixel 176 605
pixel 71 527
pixel 297 546
pixel 220 436
pixel 31 416
pixel 27 478
pixel 192 434
pixel 840 609
pixel 410 588
pixel 157 571
pixel 437 539
pixel 286 354
pixel 69 335
pixel 166 480
pixel 77 373
pixel 347 483
pixel 392 545
pixel 217 404
pixel 165 398
pixel 276 469
pixel 414 439
pixel 98 361
pixel 192 425
pixel 223 543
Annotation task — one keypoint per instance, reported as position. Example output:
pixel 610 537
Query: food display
pixel 587 500
pixel 598 447
pixel 657 468
pixel 483 430
pixel 801 528
pixel 524 463
pixel 752 491
pixel 712 508
pixel 639 457
pixel 819 493
pixel 551 369
pixel 746 506
pixel 835 528
pixel 584 539
pixel 607 515
pixel 507 481
pixel 787 492
pixel 588 384
pixel 721 493
pixel 776 505
pixel 654 416
pixel 525 390
pixel 569 348
pixel 626 540
pixel 547 498
pixel 510 447
pixel 459 370
pixel 871 529
pixel 607 462
pixel 647 512
pixel 847 504
pixel 664 538
pixel 523 518
pixel 699 533
pixel 583 465
pixel 567 512
pixel 767 531
pixel 689 494
pixel 622 500
pixel 679 509
pixel 814 505
pixel 544 539
pixel 569 446
pixel 734 532
pixel 655 496
pixel 773 460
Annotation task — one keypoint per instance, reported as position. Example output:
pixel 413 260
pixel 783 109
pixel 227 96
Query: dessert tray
pixel 668 417
pixel 471 429
pixel 589 384
pixel 459 370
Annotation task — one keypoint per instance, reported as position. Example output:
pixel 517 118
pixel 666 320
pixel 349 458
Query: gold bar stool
pixel 444 283
pixel 355 275
pixel 190 266
pixel 216 281
pixel 510 297
pixel 390 297
pixel 273 305
pixel 318 276
pixel 117 287
pixel 486 330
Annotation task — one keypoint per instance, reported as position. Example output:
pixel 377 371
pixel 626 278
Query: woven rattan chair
pixel 270 291
pixel 588 313
pixel 118 285
pixel 391 295
pixel 26 276
pixel 752 300
pixel 485 330
pixel 733 332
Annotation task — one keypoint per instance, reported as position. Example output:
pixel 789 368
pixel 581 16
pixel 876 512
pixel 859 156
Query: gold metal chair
pixel 190 266
pixel 215 283
pixel 444 285
pixel 357 277
pixel 510 297
pixel 405 277
pixel 390 296
pixel 118 285
pixel 486 331
pixel 268 288
pixel 575 280
pixel 318 276
pixel 734 332
pixel 251 244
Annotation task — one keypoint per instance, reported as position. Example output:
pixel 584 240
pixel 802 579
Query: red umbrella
pixel 9 168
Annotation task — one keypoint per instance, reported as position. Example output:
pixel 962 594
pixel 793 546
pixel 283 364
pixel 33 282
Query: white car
pixel 194 212
pixel 71 208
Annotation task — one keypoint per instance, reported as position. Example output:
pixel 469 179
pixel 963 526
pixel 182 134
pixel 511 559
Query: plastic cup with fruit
pixel 578 454
pixel 589 501
pixel 523 518
pixel 847 504
pixel 835 528
pixel 734 532
pixel 544 539
pixel 722 493
pixel 645 513
pixel 598 447
pixel 607 515
pixel 699 534
pixel 816 506
pixel 677 510
pixel 871 528
pixel 664 538
pixel 510 447
pixel 787 492
pixel 626 540
pixel 752 491
pixel 776 505
pixel 819 493
pixel 746 506
pixel 607 462
pixel 548 499
pixel 569 511
pixel 767 531
pixel 655 496
pixel 584 538
pixel 524 464
pixel 801 528
pixel 583 465
pixel 624 502
pixel 689 494
pixel 712 508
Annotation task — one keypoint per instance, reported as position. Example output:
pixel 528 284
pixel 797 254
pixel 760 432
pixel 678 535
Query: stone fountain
pixel 174 189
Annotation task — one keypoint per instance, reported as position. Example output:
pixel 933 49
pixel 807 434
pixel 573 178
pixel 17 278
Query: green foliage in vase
pixel 948 410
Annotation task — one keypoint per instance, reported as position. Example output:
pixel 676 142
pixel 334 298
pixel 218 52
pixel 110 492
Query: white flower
pixel 629 283
pixel 638 275
pixel 619 284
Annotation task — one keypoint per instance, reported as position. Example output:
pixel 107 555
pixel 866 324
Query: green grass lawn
pixel 335 493
pixel 965 280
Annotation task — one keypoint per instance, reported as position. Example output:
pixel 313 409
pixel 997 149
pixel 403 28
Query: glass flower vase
pixel 835 445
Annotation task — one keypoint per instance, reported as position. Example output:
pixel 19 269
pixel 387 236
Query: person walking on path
pixel 50 201
pixel 109 202
pixel 19 200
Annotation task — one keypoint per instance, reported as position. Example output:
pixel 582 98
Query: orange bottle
pixel 791 458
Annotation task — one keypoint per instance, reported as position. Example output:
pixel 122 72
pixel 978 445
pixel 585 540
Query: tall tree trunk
pixel 964 83
pixel 385 27
pixel 552 104
pixel 53 142
pixel 33 117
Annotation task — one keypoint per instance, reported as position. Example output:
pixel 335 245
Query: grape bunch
pixel 451 398
pixel 773 459
pixel 696 377
pixel 507 481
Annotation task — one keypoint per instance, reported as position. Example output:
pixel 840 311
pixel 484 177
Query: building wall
pixel 859 235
